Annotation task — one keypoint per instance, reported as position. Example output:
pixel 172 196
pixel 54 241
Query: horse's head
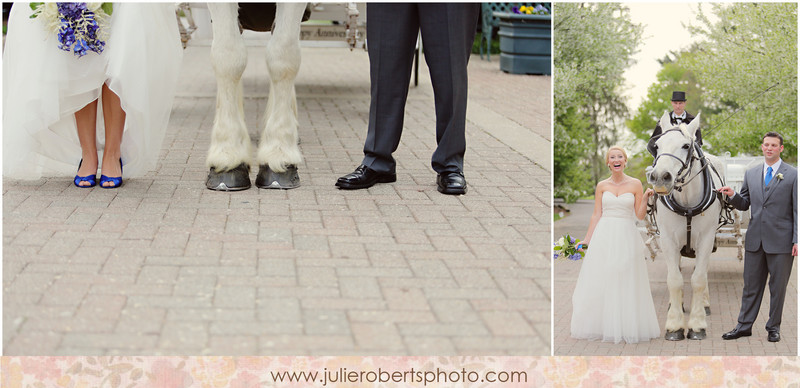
pixel 673 149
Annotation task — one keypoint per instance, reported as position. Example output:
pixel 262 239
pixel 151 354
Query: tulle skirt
pixel 44 86
pixel 612 300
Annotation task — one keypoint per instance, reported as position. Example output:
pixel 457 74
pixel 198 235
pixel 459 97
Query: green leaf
pixel 36 10
pixel 107 8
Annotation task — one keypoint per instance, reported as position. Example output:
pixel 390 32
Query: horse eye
pixel 686 146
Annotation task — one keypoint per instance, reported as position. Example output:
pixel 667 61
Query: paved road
pixel 164 266
pixel 725 286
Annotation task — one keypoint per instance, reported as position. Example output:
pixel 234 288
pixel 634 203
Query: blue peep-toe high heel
pixel 117 181
pixel 92 179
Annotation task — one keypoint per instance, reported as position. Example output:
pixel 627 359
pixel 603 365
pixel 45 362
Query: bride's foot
pixel 112 174
pixel 87 173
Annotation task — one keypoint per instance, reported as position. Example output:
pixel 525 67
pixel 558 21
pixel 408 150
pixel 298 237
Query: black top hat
pixel 678 96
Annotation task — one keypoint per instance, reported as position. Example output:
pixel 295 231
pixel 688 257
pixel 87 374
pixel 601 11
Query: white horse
pixel 278 155
pixel 688 215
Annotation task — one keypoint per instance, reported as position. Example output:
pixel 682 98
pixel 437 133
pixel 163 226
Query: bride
pixel 61 110
pixel 612 300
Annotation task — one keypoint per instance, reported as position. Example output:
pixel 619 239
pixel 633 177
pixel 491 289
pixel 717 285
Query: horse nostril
pixel 667 176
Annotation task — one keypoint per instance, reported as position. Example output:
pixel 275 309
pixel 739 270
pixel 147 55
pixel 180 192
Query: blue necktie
pixel 768 177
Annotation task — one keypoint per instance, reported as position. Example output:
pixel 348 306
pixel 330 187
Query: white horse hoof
pixel 696 335
pixel 268 179
pixel 676 335
pixel 231 180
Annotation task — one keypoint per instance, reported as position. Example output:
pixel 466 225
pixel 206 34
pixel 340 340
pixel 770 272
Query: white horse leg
pixel 230 149
pixel 278 153
pixel 697 316
pixel 675 319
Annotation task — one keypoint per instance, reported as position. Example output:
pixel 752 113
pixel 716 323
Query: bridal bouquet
pixel 79 27
pixel 567 248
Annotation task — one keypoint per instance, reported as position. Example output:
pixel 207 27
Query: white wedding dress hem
pixel 44 86
pixel 612 300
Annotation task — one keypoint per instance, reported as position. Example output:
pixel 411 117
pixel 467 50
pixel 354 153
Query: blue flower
pixel 72 10
pixel 576 256
pixel 79 30
pixel 80 48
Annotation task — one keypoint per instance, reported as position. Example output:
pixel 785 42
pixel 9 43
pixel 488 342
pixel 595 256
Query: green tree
pixel 593 45
pixel 747 65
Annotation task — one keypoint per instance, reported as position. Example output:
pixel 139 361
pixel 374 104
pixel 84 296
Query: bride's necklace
pixel 617 183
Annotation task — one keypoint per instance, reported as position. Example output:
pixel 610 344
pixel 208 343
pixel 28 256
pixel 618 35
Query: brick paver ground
pixel 164 266
pixel 725 289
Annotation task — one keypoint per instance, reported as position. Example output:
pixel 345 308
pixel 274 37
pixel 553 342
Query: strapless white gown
pixel 612 300
pixel 43 87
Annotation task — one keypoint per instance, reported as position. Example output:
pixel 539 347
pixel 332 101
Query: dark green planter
pixel 524 43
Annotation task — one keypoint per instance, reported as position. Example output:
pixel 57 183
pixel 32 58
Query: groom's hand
pixel 794 250
pixel 727 191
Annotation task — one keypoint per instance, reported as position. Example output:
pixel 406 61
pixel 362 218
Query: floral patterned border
pixel 246 372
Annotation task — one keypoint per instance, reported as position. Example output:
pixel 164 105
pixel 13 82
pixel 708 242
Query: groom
pixel 448 31
pixel 770 191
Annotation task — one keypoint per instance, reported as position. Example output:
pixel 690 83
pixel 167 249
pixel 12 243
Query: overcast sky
pixel 664 30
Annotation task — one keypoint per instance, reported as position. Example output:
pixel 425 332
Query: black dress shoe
pixel 736 333
pixel 364 177
pixel 773 336
pixel 451 183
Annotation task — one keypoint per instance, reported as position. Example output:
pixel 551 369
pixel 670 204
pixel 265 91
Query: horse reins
pixel 708 189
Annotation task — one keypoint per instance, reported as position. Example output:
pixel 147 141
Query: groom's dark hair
pixel 773 134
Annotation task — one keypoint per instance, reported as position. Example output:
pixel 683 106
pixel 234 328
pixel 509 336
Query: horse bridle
pixel 680 180
pixel 686 165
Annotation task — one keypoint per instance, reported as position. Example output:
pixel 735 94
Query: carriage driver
pixel 770 191
pixel 679 115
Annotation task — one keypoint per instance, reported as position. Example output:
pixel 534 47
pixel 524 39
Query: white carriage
pixel 329 25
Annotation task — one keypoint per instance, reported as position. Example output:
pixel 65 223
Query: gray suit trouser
pixel 448 31
pixel 757 265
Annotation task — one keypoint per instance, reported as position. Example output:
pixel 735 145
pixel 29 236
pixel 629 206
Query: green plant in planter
pixel 494 45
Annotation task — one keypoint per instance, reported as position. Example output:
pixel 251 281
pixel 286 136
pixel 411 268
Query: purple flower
pixel 576 256
pixel 515 9
pixel 80 48
pixel 71 10
pixel 79 29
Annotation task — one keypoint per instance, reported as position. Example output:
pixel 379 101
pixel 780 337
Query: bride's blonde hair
pixel 618 148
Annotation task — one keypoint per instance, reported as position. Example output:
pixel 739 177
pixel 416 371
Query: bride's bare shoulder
pixel 603 185
pixel 629 180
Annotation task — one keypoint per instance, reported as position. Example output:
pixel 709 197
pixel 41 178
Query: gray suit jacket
pixel 773 210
